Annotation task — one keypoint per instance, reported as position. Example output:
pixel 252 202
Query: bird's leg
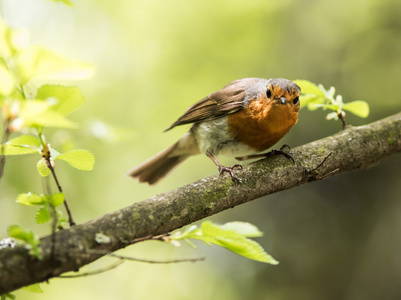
pixel 229 170
pixel 268 154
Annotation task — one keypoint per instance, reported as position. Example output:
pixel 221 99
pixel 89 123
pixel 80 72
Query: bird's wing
pixel 226 101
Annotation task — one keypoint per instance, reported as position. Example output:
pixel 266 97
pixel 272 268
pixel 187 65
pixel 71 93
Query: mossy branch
pixel 352 149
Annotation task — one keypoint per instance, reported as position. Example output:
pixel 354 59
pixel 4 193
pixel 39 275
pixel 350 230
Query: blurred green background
pixel 335 239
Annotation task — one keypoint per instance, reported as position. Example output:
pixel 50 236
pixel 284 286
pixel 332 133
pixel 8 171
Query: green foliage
pixel 315 96
pixel 31 103
pixel 80 159
pixel 34 288
pixel 7 296
pixel 233 236
pixel 47 203
pixel 30 240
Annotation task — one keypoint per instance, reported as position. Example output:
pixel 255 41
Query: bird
pixel 242 120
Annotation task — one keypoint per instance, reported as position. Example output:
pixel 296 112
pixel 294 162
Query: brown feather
pixel 226 101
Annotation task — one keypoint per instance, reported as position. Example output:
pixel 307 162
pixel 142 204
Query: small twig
pixel 113 266
pixel 122 257
pixel 341 116
pixel 313 176
pixel 172 261
pixel 322 162
pixel 125 258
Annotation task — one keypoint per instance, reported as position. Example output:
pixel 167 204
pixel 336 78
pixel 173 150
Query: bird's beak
pixel 282 100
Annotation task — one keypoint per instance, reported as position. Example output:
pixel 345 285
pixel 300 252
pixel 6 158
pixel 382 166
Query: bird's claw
pixel 230 170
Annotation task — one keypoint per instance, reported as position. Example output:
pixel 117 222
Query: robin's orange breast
pixel 262 123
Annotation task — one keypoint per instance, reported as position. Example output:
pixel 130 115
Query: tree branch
pixel 352 149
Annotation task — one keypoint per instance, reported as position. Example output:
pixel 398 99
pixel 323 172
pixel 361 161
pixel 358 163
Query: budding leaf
pixel 40 63
pixel 31 199
pixel 33 288
pixel 63 99
pixel 79 159
pixel 56 199
pixel 232 236
pixel 42 168
pixel 42 215
pixel 359 108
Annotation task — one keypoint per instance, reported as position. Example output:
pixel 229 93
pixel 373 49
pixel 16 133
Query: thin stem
pixel 46 155
pixel 70 220
pixel 6 134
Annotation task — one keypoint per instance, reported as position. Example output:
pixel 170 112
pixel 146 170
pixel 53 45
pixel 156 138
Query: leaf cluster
pixel 317 96
pixel 233 236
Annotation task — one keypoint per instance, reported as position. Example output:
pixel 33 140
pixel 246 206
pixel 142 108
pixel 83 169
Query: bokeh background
pixel 335 239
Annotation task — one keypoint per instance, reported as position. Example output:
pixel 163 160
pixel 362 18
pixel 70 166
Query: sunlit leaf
pixel 308 87
pixel 27 236
pixel 40 63
pixel 334 107
pixel 56 199
pixel 42 168
pixel 359 108
pixel 63 99
pixel 7 82
pixel 244 228
pixel 31 199
pixel 39 113
pixel 42 215
pixel 33 288
pixel 234 242
pixel 5 47
pixel 25 140
pixel 17 232
pixel 16 150
pixel 80 159
pixel 231 236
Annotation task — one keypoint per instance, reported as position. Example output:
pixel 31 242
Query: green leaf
pixel 42 64
pixel 56 199
pixel 311 100
pixel 25 140
pixel 7 81
pixel 358 107
pixel 80 159
pixel 243 228
pixel 42 216
pixel 33 288
pixel 63 99
pixel 308 87
pixel 231 236
pixel 31 199
pixel 40 113
pixel 7 296
pixel 17 232
pixel 5 43
pixel 17 150
pixel 234 242
pixel 31 240
pixel 334 107
pixel 24 144
pixel 42 168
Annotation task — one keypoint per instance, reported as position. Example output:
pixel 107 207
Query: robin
pixel 243 119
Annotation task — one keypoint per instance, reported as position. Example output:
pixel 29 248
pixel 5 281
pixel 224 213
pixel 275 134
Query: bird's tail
pixel 158 166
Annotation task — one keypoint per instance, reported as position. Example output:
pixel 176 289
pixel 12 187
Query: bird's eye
pixel 268 93
pixel 296 100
